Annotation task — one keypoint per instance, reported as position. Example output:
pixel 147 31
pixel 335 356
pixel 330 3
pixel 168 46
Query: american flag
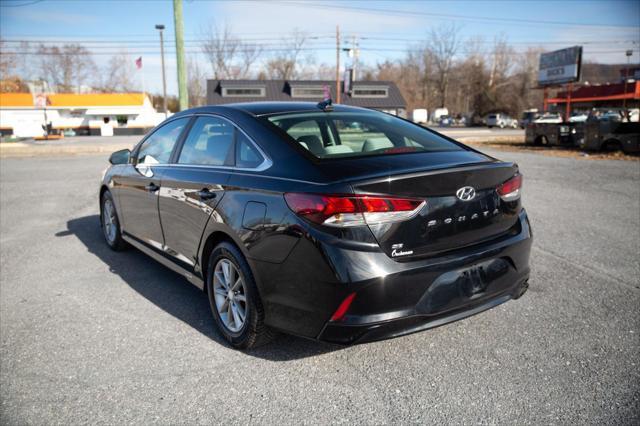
pixel 139 62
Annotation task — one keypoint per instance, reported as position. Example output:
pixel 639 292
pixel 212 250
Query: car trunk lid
pixel 462 208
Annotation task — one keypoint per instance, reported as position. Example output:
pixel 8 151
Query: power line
pixel 199 51
pixel 29 3
pixel 449 16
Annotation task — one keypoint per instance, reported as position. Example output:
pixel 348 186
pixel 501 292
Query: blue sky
pixel 384 28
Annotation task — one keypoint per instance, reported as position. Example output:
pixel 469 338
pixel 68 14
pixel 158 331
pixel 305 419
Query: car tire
pixel 251 331
pixel 110 224
pixel 611 145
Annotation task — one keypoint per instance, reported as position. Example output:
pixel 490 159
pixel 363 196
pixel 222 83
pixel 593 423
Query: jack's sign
pixel 560 66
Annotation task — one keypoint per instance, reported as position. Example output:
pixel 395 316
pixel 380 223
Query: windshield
pixel 357 134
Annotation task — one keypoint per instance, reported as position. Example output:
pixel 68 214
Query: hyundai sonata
pixel 328 222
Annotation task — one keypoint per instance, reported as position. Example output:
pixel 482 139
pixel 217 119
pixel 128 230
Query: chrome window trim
pixel 201 166
pixel 264 165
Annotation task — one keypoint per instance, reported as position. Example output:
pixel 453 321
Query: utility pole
pixel 356 54
pixel 183 96
pixel 628 53
pixel 337 64
pixel 160 28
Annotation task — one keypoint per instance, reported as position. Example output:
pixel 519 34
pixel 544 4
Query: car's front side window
pixel 157 148
pixel 209 143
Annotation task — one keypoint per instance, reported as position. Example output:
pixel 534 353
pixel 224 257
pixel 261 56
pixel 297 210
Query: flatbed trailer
pixel 591 135
pixel 554 134
pixel 610 136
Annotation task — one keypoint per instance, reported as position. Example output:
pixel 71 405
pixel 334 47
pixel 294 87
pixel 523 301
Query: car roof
pixel 268 108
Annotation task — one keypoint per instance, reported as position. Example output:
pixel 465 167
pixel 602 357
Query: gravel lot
pixel 92 336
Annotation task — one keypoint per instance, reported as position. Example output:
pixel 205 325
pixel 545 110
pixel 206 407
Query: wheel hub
pixel 230 295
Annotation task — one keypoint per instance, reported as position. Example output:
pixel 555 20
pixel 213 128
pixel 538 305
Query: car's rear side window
pixel 356 134
pixel 209 143
pixel 247 155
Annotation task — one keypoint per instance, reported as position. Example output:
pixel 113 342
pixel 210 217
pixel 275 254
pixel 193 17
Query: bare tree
pixel 67 67
pixel 8 61
pixel 501 61
pixel 118 74
pixel 229 57
pixel 443 45
pixel 196 83
pixel 285 63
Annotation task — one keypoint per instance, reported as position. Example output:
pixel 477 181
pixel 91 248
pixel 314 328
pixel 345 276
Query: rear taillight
pixel 510 190
pixel 352 210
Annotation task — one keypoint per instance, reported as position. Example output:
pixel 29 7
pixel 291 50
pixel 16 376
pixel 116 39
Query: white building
pixel 23 114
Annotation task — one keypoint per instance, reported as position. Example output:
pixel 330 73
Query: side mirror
pixel 120 157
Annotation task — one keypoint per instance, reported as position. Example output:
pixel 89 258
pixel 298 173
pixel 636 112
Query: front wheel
pixel 110 223
pixel 234 300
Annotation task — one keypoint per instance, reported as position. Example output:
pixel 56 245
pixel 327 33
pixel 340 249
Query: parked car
pixel 334 223
pixel 501 120
pixel 446 121
pixel 579 117
pixel 528 117
pixel 549 117
pixel 437 113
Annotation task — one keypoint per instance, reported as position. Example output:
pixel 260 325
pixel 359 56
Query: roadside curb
pixel 19 149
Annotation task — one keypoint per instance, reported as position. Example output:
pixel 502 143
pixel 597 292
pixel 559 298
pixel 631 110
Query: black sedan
pixel 329 222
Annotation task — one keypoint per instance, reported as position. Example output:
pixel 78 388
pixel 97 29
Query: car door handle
pixel 205 194
pixel 152 187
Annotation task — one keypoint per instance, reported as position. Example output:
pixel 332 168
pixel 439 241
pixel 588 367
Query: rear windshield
pixel 358 134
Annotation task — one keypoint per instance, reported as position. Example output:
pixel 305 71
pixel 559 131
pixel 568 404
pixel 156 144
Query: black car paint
pixel 304 271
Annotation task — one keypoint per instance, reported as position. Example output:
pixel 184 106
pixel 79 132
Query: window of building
pixel 307 92
pixel 243 92
pixel 370 92
pixel 209 143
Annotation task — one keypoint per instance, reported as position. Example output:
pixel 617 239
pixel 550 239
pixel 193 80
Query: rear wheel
pixel 234 300
pixel 110 224
pixel 612 145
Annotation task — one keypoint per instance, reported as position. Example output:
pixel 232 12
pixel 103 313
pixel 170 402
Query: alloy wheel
pixel 109 221
pixel 230 295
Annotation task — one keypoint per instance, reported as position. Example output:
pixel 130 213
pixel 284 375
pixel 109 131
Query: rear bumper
pixel 392 298
pixel 348 334
pixel 436 293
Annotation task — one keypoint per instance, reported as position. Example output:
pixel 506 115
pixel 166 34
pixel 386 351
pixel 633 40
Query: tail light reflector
pixel 510 190
pixel 352 210
pixel 339 314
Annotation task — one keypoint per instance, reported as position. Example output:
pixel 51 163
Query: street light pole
pixel 626 78
pixel 160 28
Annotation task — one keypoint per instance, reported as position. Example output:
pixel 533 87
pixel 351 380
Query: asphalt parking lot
pixel 92 336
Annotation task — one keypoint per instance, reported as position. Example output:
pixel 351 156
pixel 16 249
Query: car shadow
pixel 176 296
